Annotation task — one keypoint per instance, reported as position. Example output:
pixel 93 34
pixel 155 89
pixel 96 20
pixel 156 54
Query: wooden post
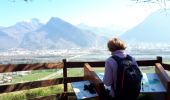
pixel 168 92
pixel 65 75
pixel 159 58
pixel 164 78
pixel 90 75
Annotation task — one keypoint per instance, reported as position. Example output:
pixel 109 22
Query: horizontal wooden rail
pixel 30 85
pixel 74 79
pixel 61 96
pixel 72 64
pixel 81 64
pixel 27 67
pixel 166 66
pixel 102 63
pixel 147 62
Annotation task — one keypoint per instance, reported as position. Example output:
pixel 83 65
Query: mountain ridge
pixel 57 33
pixel 154 29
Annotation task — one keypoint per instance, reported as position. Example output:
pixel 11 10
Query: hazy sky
pixel 91 12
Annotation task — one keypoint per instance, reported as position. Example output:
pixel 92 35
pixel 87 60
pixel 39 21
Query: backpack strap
pixel 118 59
pixel 129 57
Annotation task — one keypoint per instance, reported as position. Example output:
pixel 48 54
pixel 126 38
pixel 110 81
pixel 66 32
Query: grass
pixel 45 91
pixel 33 76
pixel 75 72
pixel 13 96
pixel 23 95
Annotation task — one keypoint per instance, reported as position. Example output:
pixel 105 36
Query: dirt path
pixel 59 72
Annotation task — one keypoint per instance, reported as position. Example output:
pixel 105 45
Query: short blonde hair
pixel 116 44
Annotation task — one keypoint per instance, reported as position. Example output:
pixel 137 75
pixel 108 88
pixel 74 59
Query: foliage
pixel 160 2
pixel 152 1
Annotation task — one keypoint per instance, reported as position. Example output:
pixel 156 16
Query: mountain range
pixel 55 34
pixel 59 34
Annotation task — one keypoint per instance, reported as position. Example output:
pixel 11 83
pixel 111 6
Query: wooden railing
pixel 64 80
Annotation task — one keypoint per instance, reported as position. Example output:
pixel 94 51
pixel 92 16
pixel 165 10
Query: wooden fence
pixel 64 80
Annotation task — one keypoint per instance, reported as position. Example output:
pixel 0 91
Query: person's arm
pixel 108 74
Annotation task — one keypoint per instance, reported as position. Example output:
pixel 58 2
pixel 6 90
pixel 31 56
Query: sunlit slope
pixel 154 29
pixel 57 33
pixel 7 41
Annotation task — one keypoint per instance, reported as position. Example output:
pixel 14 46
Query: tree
pixel 162 3
pixel 152 1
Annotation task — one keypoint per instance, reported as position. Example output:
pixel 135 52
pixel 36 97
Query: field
pixel 49 74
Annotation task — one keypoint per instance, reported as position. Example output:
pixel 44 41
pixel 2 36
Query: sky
pixel 98 13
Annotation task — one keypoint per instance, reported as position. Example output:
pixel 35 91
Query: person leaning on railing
pixel 117 48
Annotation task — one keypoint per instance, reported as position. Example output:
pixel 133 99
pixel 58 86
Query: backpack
pixel 129 76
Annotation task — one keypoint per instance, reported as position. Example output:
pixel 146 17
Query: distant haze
pixel 154 29
pixel 60 34
pixel 55 34
pixel 96 13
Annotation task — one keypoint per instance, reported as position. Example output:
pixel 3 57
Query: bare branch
pixel 162 3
